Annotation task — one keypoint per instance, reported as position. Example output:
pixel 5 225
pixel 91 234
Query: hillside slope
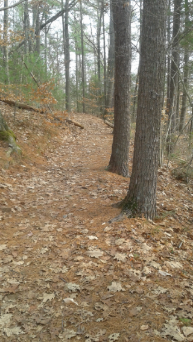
pixel 132 280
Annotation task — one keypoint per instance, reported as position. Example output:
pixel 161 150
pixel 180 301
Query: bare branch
pixel 57 15
pixel 6 8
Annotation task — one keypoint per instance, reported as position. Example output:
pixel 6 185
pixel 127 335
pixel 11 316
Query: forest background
pixel 62 54
pixel 72 56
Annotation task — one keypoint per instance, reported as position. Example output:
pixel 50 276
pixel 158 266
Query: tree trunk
pixel 83 68
pixel 66 52
pixel 174 78
pixel 5 39
pixel 168 58
pixel 120 148
pixel 67 64
pixel 26 27
pixel 57 55
pixel 111 62
pixel 104 53
pixel 141 196
pixel 133 117
pixel 186 73
pixel 191 125
pixel 99 24
pixel 46 47
pixel 37 28
pixel 77 74
pixel 100 11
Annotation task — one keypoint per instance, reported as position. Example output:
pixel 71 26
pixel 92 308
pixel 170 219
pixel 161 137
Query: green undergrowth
pixel 5 135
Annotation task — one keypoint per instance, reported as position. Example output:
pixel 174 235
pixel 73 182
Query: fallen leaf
pixel 115 287
pixel 119 242
pixel 134 312
pixel 144 327
pixel 172 330
pixel 2 247
pixel 48 296
pixel 13 331
pixel 69 301
pixel 72 287
pixel 5 319
pixel 120 257
pixel 187 330
pixel 97 253
pixel 113 337
pixel 92 237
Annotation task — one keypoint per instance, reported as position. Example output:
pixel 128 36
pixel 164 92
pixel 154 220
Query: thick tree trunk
pixel 141 197
pixel 133 116
pixel 120 148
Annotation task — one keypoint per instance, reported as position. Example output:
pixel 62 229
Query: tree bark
pixel 104 53
pixel 77 75
pixel 186 73
pixel 37 27
pixel 5 48
pixel 99 22
pixel 46 47
pixel 100 11
pixel 141 196
pixel 67 58
pixel 168 57
pixel 120 147
pixel 26 27
pixel 83 67
pixel 133 117
pixel 111 62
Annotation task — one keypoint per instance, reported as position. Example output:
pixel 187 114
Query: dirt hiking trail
pixel 66 273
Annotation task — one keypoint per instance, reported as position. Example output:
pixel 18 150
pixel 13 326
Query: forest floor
pixel 132 280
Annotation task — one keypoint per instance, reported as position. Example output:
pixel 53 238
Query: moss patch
pixel 5 135
pixel 130 207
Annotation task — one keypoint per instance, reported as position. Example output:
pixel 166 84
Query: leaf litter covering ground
pixel 66 273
